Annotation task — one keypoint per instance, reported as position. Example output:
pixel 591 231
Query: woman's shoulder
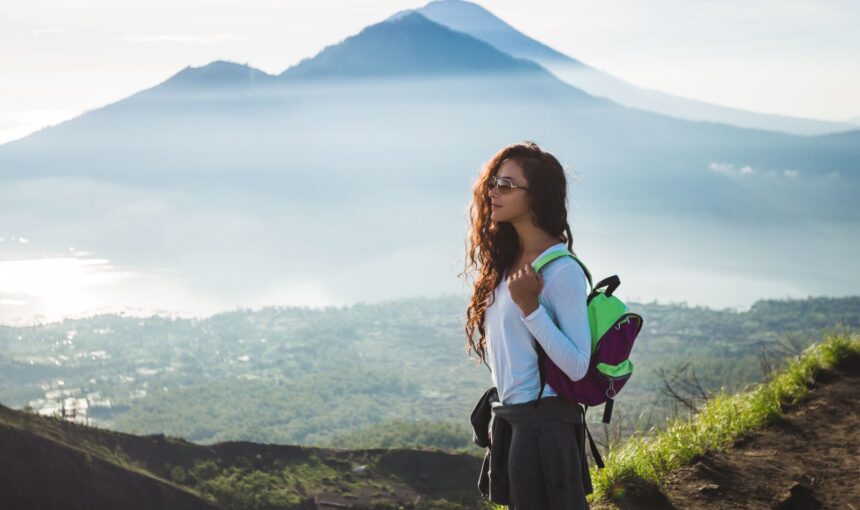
pixel 561 264
pixel 564 275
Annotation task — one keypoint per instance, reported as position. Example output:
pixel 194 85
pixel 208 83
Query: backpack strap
pixel 549 257
pixel 595 453
pixel 541 370
pixel 607 410
pixel 537 266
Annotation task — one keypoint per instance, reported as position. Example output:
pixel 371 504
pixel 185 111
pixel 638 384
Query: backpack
pixel 613 330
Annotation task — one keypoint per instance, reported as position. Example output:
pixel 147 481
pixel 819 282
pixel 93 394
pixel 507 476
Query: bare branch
pixel 683 386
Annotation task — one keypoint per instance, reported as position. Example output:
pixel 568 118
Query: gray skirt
pixel 547 468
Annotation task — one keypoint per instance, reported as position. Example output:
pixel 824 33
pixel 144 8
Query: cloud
pixel 729 169
pixel 186 38
pixel 52 275
pixel 51 30
pixel 732 169
pixel 721 168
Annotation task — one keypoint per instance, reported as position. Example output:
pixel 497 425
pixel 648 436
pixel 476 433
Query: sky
pixel 59 59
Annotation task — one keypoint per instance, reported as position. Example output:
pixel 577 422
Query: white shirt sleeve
pixel 568 344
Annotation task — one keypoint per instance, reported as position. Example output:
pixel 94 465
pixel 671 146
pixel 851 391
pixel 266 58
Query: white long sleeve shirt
pixel 510 336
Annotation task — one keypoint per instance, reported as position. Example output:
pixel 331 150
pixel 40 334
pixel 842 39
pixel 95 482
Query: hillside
pixel 38 472
pixel 50 463
pixel 806 458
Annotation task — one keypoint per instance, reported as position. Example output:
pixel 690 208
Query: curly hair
pixel 492 246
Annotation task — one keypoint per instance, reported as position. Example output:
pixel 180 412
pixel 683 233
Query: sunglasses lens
pixel 504 185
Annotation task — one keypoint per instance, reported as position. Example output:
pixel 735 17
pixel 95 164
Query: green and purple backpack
pixel 613 330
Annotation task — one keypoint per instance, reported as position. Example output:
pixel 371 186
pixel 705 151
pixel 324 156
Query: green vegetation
pixel 720 422
pixel 243 486
pixel 342 375
pixel 410 434
pixel 382 377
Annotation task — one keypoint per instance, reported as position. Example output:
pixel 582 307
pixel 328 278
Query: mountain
pixel 250 188
pixel 422 49
pixel 218 74
pixel 197 118
pixel 196 123
pixel 473 19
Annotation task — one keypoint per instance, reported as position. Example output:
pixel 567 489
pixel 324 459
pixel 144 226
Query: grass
pixel 721 421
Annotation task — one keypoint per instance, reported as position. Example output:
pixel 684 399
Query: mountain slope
pixel 806 459
pixel 50 463
pixel 473 19
pixel 40 472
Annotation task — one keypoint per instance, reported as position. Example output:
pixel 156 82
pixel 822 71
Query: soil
pixel 809 458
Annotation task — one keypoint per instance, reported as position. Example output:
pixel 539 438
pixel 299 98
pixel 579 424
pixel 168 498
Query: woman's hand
pixel 524 286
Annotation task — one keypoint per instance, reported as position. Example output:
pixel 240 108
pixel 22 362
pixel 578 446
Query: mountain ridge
pixel 423 49
pixel 218 73
pixel 471 18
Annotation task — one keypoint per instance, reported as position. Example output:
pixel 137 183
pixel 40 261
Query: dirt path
pixel 808 459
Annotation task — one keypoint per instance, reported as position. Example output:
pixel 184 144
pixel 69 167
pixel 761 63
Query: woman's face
pixel 512 205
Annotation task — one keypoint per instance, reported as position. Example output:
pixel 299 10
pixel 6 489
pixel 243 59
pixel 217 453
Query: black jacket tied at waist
pixel 493 480
pixel 493 432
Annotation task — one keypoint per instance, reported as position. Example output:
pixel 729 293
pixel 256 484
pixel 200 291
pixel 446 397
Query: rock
pixel 797 497
pixel 709 488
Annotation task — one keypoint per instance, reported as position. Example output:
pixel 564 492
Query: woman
pixel 518 213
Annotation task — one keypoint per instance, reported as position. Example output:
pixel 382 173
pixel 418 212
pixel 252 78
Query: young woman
pixel 518 213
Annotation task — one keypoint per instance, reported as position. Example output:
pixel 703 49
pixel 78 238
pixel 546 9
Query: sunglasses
pixel 504 184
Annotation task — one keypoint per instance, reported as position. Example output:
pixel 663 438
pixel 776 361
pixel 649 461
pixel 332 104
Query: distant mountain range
pixel 406 81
